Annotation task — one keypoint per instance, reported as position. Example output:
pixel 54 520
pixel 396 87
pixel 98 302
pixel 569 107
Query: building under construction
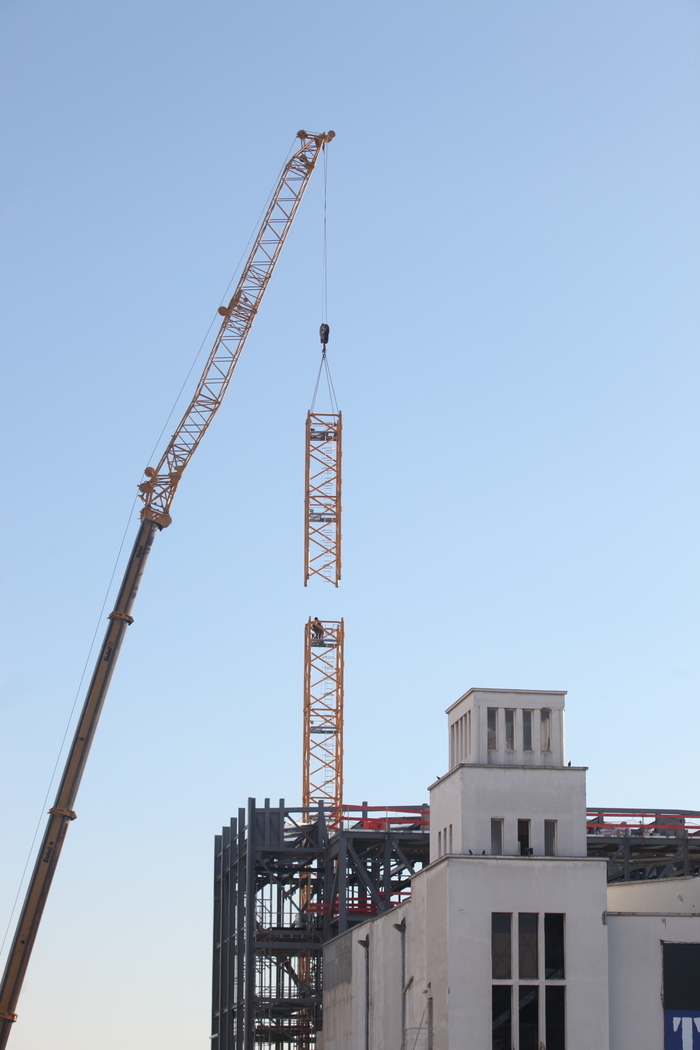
pixel 289 881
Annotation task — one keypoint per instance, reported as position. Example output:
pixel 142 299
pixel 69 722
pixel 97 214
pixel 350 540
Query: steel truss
pixel 645 844
pixel 322 777
pixel 286 881
pixel 322 533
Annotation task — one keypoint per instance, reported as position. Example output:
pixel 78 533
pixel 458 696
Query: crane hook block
pixel 324 332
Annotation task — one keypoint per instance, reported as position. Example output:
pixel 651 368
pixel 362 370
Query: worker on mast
pixel 318 629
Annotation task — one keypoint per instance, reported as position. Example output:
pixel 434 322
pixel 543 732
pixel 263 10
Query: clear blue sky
pixel 513 270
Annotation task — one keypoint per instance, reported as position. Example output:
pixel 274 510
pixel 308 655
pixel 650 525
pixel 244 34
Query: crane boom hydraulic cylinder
pixel 157 493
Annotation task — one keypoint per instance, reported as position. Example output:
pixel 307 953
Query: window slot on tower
pixel 527 945
pixel 554 947
pixel 546 729
pixel 501 949
pixel 527 730
pixel 529 1016
pixel 496 837
pixel 492 715
pixel 510 730
pixel 555 1018
pixel 550 838
pixel 501 1025
pixel 469 732
pixel 524 837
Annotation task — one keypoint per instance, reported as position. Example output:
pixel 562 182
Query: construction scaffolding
pixel 322 530
pixel 322 778
pixel 286 881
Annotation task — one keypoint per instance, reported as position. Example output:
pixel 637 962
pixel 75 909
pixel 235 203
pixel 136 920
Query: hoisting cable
pixel 324 331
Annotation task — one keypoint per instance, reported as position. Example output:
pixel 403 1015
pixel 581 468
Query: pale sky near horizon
pixel 513 269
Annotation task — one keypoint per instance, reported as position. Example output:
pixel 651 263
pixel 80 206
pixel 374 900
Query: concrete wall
pixel 448 955
pixel 636 957
pixel 473 746
pixel 468 797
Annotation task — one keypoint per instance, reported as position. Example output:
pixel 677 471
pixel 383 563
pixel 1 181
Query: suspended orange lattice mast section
pixel 323 713
pixel 323 493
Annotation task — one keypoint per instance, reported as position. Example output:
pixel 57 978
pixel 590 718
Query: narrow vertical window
pixel 439 843
pixel 555 1019
pixel 501 946
pixel 496 838
pixel 501 1025
pixel 449 840
pixel 431 1043
pixel 554 947
pixel 524 837
pixel 529 1016
pixel 546 729
pixel 492 714
pixel 453 748
pixel 527 730
pixel 550 838
pixel 469 732
pixel 527 945
pixel 510 730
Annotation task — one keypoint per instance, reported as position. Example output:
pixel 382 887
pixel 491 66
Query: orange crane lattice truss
pixel 323 713
pixel 157 493
pixel 322 533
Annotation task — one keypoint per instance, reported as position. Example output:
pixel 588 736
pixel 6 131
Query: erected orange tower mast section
pixel 323 713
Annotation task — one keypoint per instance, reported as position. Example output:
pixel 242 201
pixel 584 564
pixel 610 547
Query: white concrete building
pixel 512 938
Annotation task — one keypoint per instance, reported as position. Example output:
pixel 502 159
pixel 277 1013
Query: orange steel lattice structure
pixel 323 482
pixel 323 714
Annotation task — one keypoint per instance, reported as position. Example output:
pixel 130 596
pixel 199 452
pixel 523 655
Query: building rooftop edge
pixel 494 765
pixel 527 692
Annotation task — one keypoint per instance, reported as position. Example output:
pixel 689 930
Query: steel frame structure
pixel 645 844
pixel 286 881
pixel 322 519
pixel 322 778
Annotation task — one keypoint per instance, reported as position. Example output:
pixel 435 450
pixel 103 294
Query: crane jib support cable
pixel 157 493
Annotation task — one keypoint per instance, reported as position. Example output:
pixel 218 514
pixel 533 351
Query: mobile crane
pixel 157 492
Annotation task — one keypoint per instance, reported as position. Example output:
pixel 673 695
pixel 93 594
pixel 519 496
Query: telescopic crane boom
pixel 157 493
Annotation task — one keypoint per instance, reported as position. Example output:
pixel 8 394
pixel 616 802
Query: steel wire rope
pixel 78 693
pixel 88 658
pixel 324 296
pixel 222 301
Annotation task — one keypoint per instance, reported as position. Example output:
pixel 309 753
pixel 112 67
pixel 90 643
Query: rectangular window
pixel 449 840
pixel 524 837
pixel 550 838
pixel 527 945
pixel 682 977
pixel 501 946
pixel 491 715
pixel 546 729
pixel 555 1019
pixel 510 730
pixel 501 1025
pixel 529 1016
pixel 469 732
pixel 554 947
pixel 496 838
pixel 439 843
pixel 527 730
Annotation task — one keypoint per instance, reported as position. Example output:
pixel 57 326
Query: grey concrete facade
pixel 421 977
